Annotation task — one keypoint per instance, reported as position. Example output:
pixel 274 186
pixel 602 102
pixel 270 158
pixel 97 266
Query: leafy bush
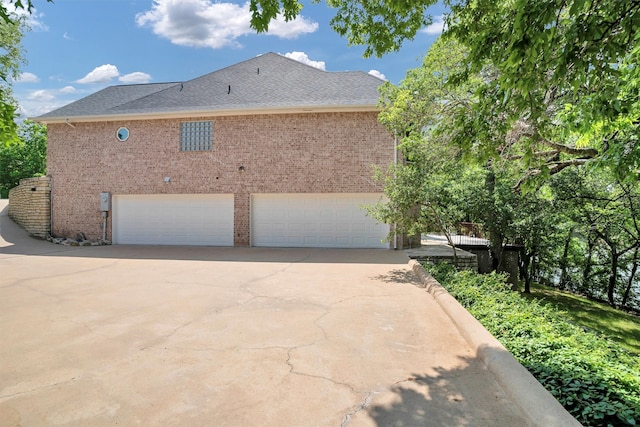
pixel 595 379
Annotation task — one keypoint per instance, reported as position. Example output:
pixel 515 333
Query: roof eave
pixel 207 113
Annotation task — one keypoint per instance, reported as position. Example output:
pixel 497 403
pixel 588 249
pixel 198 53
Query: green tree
pixel 12 26
pixel 420 189
pixel 527 220
pixel 433 189
pixel 24 158
pixel 566 82
pixel 10 61
pixel 605 215
pixel 424 193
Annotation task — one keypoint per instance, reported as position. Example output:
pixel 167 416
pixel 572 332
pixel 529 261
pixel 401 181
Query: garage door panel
pixel 334 220
pixel 177 219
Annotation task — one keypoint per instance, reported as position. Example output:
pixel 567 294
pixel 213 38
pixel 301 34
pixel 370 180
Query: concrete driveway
pixel 182 336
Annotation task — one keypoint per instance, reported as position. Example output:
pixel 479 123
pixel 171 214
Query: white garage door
pixel 315 220
pixel 173 219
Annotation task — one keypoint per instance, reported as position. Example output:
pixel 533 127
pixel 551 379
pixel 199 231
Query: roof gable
pixel 264 83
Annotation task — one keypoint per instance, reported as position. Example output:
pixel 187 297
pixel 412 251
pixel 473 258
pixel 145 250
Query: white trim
pixel 207 113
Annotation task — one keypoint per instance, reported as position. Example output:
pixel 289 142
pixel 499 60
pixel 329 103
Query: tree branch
pixel 585 152
pixel 554 168
pixel 549 153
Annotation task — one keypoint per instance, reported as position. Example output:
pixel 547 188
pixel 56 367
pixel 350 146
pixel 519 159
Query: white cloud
pixel 101 74
pixel 378 74
pixel 66 36
pixel 137 77
pixel 41 95
pixel 106 73
pixel 206 23
pixel 35 21
pixel 291 29
pixel 304 58
pixel 436 27
pixel 28 78
pixel 34 108
pixel 36 102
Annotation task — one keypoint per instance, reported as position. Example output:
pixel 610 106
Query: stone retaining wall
pixel 30 205
pixel 437 253
pixel 464 262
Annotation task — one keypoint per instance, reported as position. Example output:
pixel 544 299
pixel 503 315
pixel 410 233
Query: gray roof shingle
pixel 268 81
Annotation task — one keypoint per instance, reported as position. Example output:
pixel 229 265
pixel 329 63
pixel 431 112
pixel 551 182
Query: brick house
pixel 266 152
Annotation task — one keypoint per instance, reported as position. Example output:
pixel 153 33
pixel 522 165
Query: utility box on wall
pixel 105 201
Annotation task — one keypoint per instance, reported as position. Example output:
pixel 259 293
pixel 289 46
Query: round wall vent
pixel 122 134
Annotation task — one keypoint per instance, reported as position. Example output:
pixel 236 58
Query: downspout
pixel 395 163
pixel 51 206
pixel 104 226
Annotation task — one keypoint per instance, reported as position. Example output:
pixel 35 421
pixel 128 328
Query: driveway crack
pixel 364 405
pixel 292 370
pixel 366 402
pixel 35 389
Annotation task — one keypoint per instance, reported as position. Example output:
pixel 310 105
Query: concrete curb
pixel 516 381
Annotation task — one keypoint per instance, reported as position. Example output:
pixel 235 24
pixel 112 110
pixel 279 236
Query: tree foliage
pixel 420 189
pixel 603 217
pixel 380 25
pixel 578 230
pixel 566 85
pixel 12 26
pixel 10 61
pixel 24 158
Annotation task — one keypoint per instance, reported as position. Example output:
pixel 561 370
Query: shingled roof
pixel 268 83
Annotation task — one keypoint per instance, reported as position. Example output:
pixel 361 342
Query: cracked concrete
pixel 174 336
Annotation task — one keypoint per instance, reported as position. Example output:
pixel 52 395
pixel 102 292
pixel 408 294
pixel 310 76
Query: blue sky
pixel 77 47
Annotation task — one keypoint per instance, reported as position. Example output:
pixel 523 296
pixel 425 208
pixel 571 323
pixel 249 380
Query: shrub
pixel 595 379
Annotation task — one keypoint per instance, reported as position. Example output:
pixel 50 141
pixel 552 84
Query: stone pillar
pixel 404 241
pixel 510 260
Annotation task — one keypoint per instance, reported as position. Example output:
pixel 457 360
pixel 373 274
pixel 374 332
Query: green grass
pixel 624 328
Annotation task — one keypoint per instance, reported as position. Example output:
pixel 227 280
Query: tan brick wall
pixel 30 207
pixel 294 153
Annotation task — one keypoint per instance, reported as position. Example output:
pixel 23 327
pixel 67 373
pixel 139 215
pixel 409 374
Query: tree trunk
pixel 564 262
pixel 525 263
pixel 529 267
pixel 586 272
pixel 496 239
pixel 614 274
pixel 634 269
pixel 533 269
pixel 453 246
pixel 444 230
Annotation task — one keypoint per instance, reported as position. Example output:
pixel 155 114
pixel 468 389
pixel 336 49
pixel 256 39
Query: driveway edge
pixel 518 383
